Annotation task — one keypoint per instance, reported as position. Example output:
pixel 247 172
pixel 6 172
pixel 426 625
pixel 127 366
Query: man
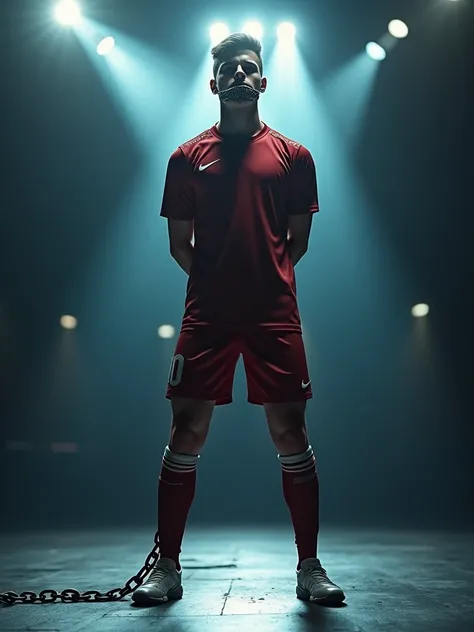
pixel 246 194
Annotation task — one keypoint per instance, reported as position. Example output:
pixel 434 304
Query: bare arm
pixel 180 234
pixel 299 228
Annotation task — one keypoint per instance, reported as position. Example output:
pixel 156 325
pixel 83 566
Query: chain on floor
pixel 71 595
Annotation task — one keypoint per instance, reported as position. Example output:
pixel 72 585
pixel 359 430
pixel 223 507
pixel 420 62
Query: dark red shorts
pixel 203 366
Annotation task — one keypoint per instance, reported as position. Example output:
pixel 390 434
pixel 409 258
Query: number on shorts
pixel 176 370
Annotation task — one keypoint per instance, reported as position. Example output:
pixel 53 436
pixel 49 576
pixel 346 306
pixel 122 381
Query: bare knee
pixel 287 426
pixel 190 425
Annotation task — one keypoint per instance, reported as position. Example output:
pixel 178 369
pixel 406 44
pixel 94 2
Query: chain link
pixel 70 595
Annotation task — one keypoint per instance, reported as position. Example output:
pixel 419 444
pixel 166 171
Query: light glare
pixel 420 310
pixel 105 46
pixel 286 31
pixel 253 28
pixel 218 32
pixel 68 13
pixel 398 29
pixel 375 51
pixel 166 331
pixel 68 322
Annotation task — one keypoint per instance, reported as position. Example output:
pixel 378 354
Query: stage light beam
pixel 253 28
pixel 218 32
pixel 375 51
pixel 166 331
pixel 420 310
pixel 105 46
pixel 68 322
pixel 68 13
pixel 398 29
pixel 286 32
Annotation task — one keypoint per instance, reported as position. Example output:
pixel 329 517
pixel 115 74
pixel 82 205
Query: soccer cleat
pixel 163 584
pixel 314 584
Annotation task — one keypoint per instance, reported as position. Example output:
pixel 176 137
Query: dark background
pixel 391 422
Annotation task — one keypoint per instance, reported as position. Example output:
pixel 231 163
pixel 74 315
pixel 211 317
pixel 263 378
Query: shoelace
pixel 318 573
pixel 158 573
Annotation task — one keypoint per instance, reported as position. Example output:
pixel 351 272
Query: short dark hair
pixel 234 43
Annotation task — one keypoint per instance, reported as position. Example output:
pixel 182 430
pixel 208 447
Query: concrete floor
pixel 234 579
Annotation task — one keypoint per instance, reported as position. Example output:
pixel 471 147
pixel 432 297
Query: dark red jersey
pixel 239 193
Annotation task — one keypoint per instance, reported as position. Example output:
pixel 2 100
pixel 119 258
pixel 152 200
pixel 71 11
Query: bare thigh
pixel 287 426
pixel 190 424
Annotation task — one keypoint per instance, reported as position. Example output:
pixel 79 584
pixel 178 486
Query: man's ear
pixel 263 85
pixel 213 86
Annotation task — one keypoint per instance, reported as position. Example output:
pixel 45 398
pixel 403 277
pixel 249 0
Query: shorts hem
pixel 222 401
pixel 241 329
pixel 256 402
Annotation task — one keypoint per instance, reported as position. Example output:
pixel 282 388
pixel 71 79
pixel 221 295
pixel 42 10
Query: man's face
pixel 239 69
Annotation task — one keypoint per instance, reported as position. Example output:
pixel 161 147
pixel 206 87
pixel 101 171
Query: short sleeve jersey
pixel 239 194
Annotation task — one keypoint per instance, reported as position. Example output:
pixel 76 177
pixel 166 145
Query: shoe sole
pixel 143 599
pixel 331 600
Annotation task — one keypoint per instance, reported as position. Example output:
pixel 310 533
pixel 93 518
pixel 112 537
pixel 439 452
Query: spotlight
pixel 286 32
pixel 398 29
pixel 105 46
pixel 420 310
pixel 166 331
pixel 68 322
pixel 253 28
pixel 218 32
pixel 68 13
pixel 375 51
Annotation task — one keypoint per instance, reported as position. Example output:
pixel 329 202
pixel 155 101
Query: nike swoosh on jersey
pixel 305 384
pixel 203 167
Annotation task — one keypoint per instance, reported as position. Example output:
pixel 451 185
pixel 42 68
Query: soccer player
pixel 239 200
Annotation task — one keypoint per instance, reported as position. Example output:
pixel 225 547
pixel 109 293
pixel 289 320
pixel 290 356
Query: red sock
pixel 176 488
pixel 301 493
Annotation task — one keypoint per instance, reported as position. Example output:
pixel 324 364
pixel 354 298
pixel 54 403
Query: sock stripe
pixel 304 467
pixel 176 468
pixel 297 463
pixel 182 463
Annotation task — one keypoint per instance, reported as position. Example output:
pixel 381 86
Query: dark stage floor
pixel 245 579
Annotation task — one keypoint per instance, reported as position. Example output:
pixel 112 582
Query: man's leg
pixel 177 482
pixel 286 423
pixel 176 488
pixel 277 378
pixel 201 376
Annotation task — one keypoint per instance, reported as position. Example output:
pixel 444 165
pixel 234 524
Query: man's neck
pixel 247 123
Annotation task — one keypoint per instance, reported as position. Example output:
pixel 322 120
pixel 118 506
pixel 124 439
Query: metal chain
pixel 70 595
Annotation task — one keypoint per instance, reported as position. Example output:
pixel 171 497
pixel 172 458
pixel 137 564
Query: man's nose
pixel 239 73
